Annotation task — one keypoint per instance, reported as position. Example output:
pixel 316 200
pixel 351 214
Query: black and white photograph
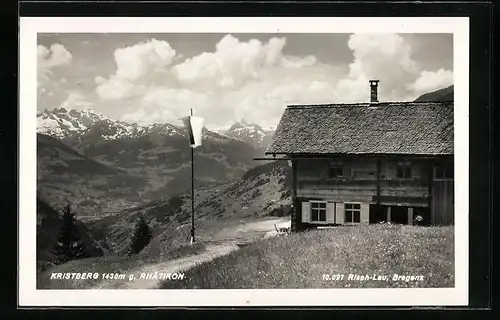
pixel 175 156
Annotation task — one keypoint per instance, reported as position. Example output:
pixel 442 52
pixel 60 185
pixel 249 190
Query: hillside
pixel 441 95
pixel 63 175
pixel 47 232
pixel 264 191
pixel 164 161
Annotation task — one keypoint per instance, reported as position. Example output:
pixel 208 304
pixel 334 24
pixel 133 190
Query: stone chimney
pixel 374 90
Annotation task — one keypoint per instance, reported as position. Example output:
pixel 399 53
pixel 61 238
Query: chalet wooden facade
pixel 369 162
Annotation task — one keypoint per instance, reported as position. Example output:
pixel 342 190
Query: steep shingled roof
pixel 410 128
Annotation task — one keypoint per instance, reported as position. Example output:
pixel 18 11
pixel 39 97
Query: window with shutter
pixel 365 213
pixel 306 211
pixel 330 212
pixel 339 213
pixel 318 211
pixel 352 212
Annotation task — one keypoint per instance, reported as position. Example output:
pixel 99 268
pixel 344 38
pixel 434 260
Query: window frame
pixel 340 167
pixel 325 209
pixel 352 210
pixel 404 165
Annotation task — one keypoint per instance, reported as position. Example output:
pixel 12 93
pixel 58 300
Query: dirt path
pixel 172 266
pixel 222 243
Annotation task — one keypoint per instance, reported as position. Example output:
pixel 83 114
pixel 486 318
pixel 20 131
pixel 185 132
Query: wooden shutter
pixel 365 213
pixel 306 211
pixel 330 212
pixel 339 216
pixel 410 216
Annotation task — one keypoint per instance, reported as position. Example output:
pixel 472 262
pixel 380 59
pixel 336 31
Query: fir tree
pixel 69 245
pixel 141 236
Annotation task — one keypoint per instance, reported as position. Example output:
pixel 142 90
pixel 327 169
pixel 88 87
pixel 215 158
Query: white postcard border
pixel 28 294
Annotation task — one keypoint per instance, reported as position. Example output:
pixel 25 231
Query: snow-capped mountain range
pixel 63 124
pixel 250 133
pixel 88 125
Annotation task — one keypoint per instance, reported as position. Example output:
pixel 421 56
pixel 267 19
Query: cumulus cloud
pixel 260 101
pixel 294 62
pixel 388 58
pixel 56 55
pixel 48 58
pixel 232 81
pixel 432 80
pixel 263 102
pixel 76 100
pixel 160 104
pixel 255 81
pixel 234 62
pixel 113 88
pixel 136 61
pixel 136 65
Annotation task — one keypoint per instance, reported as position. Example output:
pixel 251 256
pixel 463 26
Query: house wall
pixel 361 182
pixel 360 185
pixel 442 204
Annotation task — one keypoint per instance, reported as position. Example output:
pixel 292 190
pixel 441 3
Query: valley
pixel 103 166
pixel 111 172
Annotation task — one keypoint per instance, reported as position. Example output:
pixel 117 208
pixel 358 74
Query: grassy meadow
pixel 300 260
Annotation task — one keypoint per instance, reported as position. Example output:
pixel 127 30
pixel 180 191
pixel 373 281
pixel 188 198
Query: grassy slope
pixel 108 264
pixel 300 260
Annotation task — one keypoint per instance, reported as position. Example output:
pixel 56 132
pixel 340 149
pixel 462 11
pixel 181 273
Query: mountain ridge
pixel 440 95
pixel 73 124
pixel 80 127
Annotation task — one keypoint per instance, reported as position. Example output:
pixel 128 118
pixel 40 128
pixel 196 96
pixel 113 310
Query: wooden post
pixel 192 193
pixel 335 213
pixel 388 214
pixel 295 211
pixel 410 216
pixel 378 181
pixel 429 191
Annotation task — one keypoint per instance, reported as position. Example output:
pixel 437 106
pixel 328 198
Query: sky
pixel 158 78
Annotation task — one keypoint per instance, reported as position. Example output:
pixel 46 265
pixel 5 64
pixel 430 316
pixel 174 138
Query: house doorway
pixel 377 213
pixel 399 215
pixel 421 216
